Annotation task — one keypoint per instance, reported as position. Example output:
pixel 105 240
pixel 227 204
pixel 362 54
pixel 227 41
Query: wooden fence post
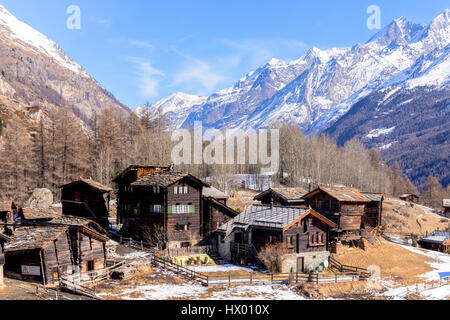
pixel 272 277
pixel 229 278
pixel 251 277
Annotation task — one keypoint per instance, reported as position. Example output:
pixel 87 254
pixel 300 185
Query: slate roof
pixel 289 194
pixel 136 167
pixel 372 196
pixel 344 194
pixel 94 184
pixel 6 205
pixel 437 236
pixel 164 179
pixel 36 237
pixel 212 192
pixel 277 217
pixel 32 213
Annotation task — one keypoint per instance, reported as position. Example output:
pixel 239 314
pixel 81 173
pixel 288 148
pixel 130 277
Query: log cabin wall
pixel 325 205
pixel 212 217
pixel 91 253
pixel 177 223
pixel 57 258
pixel 372 214
pixel 309 235
pixel 83 193
pixel 351 216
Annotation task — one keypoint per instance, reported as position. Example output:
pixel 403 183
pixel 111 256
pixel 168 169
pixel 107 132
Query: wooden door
pixel 300 265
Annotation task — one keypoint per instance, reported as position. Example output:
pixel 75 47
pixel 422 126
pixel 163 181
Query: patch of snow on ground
pixel 223 268
pixel 194 291
pixel 379 132
pixel 441 262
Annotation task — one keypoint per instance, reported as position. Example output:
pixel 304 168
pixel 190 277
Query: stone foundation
pixel 312 261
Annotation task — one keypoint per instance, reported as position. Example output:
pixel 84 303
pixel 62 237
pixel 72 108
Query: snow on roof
pixel 437 236
pixel 214 193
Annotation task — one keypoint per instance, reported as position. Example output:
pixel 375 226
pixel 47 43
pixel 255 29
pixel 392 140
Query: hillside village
pixel 357 207
pixel 165 234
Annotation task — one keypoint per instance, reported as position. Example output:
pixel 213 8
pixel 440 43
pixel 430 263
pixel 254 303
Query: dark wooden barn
pixel 8 210
pixel 437 240
pixel 3 239
pixel 44 250
pixel 282 197
pixel 409 197
pixel 38 254
pixel 163 202
pixel 304 231
pixel 125 196
pixel 446 206
pixel 354 213
pixel 87 198
pixel 215 210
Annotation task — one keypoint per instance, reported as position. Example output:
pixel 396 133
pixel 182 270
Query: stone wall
pixel 312 260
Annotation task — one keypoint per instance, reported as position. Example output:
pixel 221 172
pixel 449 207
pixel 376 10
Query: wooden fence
pixel 255 278
pixel 336 265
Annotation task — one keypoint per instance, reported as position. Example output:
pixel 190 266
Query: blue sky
pixel 144 50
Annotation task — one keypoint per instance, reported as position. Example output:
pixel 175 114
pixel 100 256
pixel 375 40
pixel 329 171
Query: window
pixel 182 227
pixel 181 190
pixel 156 189
pixel 90 265
pixel 181 208
pixel 156 208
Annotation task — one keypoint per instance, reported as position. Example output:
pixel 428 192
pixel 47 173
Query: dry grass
pixel 394 261
pixel 398 217
pixel 242 199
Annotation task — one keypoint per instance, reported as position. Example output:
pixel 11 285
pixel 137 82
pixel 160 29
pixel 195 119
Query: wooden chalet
pixel 86 198
pixel 125 195
pixel 164 201
pixel 303 230
pixel 3 239
pixel 43 250
pixel 8 210
pixel 353 212
pixel 437 241
pixel 215 210
pixel 282 197
pixel 409 197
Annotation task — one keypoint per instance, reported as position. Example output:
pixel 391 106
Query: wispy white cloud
pixel 141 44
pixel 200 74
pixel 260 51
pixel 101 21
pixel 149 77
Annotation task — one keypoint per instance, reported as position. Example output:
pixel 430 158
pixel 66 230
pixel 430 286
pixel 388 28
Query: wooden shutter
pixel 169 209
pixel 192 209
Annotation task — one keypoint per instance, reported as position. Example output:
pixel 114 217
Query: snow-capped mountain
pixel 316 90
pixel 175 108
pixel 35 71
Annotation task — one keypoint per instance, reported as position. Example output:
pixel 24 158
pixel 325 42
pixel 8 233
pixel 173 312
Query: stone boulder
pixel 41 198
